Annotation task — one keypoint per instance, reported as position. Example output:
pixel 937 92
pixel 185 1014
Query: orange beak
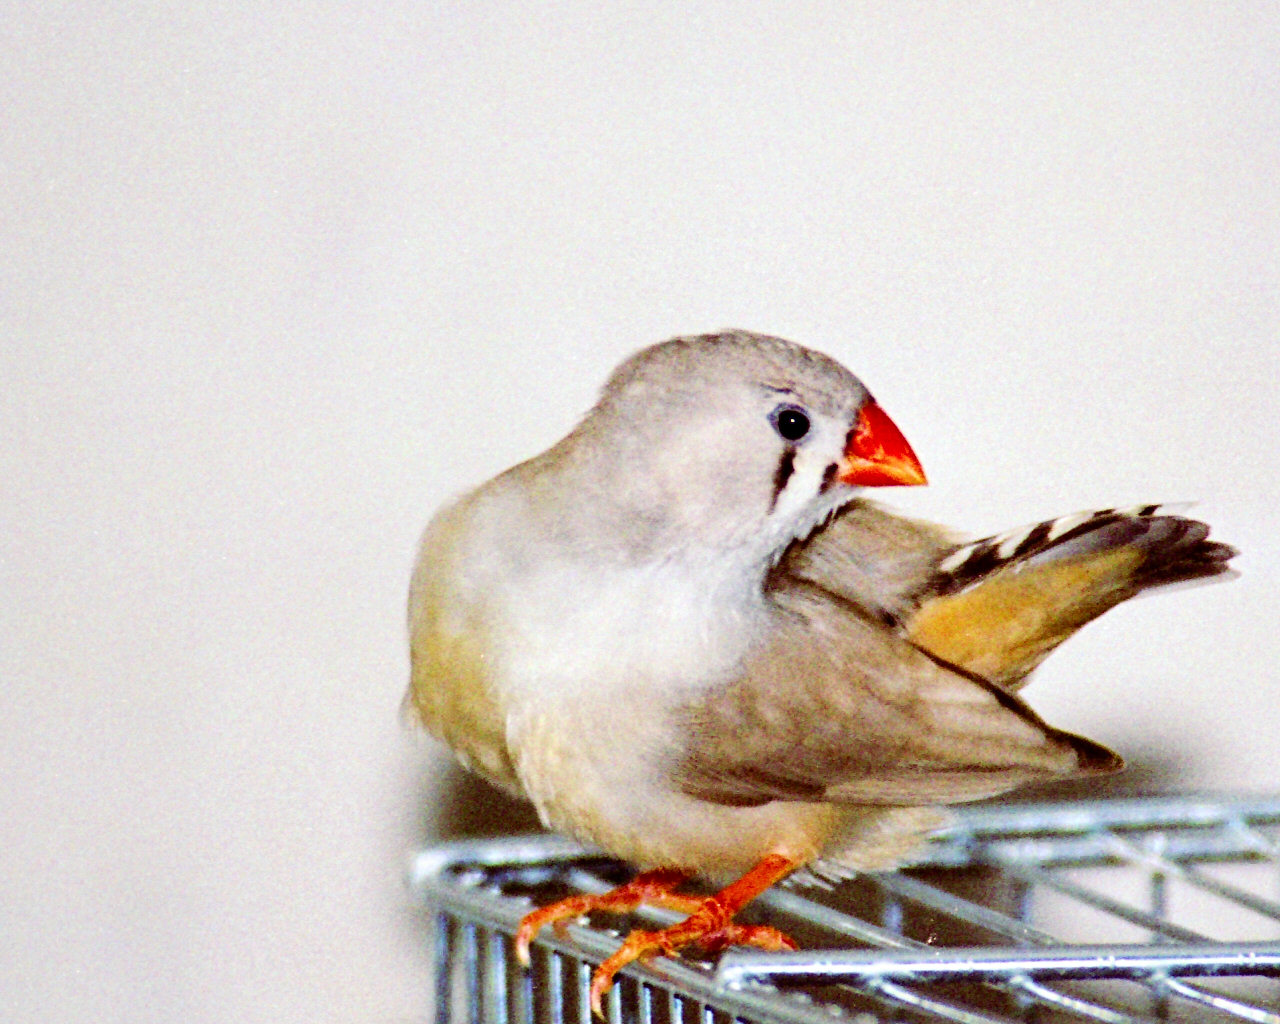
pixel 877 455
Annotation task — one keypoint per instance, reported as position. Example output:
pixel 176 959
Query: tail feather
pixel 1176 549
pixel 997 606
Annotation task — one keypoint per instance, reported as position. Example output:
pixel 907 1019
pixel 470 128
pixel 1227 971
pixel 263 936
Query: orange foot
pixel 709 924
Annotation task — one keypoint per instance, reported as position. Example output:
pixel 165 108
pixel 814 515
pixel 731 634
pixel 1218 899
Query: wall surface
pixel 279 278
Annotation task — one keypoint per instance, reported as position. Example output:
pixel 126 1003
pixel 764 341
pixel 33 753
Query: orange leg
pixel 651 887
pixel 710 925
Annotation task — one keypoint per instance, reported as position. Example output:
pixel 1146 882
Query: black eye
pixel 790 422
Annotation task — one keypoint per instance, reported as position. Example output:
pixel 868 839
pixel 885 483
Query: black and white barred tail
pixel 1177 548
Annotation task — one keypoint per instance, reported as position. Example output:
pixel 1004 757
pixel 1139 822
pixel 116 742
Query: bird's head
pixel 736 440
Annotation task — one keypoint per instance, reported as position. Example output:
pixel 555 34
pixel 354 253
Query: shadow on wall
pixel 1149 772
pixel 471 808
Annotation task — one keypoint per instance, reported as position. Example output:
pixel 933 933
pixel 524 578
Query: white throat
pixel 681 623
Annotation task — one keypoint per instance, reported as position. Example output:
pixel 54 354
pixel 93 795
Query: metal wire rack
pixel 1120 911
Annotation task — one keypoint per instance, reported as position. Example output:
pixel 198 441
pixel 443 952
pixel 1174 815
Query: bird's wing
pixel 889 677
pixel 836 707
pixel 871 557
pixel 997 606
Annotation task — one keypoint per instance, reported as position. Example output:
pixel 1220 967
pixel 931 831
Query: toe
pixel 637 946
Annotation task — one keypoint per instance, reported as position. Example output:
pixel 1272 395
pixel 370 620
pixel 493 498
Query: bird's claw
pixel 642 946
pixel 760 936
pixel 709 923
pixel 652 886
pixel 558 914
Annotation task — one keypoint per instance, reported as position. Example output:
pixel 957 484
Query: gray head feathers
pixel 691 363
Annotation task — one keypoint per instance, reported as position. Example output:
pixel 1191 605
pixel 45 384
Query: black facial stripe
pixel 786 466
pixel 828 478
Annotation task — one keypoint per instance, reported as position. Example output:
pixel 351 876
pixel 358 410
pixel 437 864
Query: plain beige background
pixel 278 278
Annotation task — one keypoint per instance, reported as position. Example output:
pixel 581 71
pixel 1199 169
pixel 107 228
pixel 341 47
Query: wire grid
pixel 1119 911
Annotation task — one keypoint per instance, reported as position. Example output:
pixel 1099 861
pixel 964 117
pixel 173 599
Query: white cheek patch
pixel 804 476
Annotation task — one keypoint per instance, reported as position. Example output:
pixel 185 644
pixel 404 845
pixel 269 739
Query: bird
pixel 686 635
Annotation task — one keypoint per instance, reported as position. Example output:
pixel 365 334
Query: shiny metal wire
pixel 1116 911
